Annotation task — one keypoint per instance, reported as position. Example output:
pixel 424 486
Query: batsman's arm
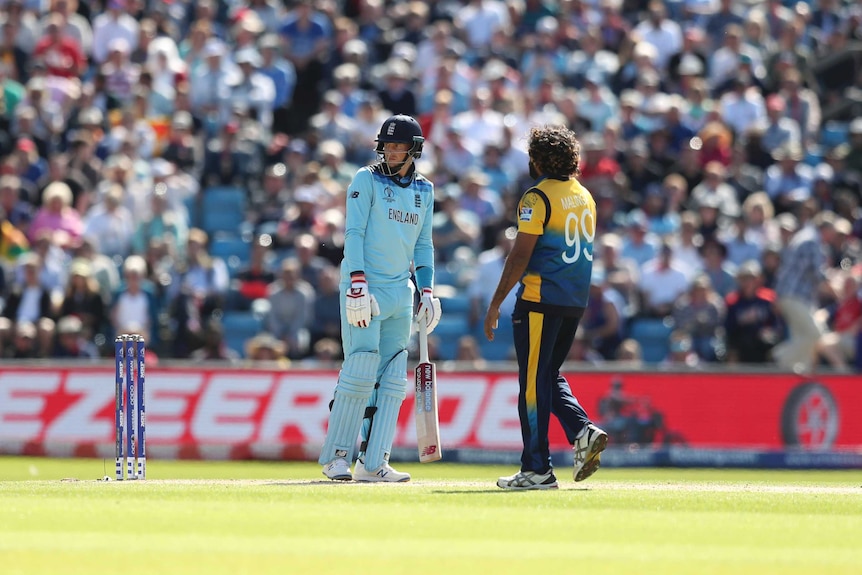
pixel 359 199
pixel 513 271
pixel 423 252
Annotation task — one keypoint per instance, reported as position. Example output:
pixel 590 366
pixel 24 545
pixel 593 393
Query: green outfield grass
pixel 260 518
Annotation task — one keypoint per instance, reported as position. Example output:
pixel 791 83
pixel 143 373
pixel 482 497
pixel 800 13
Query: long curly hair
pixel 555 151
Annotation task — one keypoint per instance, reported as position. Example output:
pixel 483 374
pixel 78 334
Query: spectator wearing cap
pixel 115 23
pixel 597 103
pixel 72 341
pixel 662 282
pixel 266 348
pixel 802 104
pixel 82 299
pixel 120 74
pixel 602 320
pixel 134 308
pixel 742 106
pixel 396 95
pixel 278 69
pixel 742 244
pixel 200 273
pixel 477 198
pixel 31 166
pixel 715 187
pixel 727 62
pixel 700 313
pixel 292 309
pixel 331 123
pixel 61 53
pixel 307 37
pixel 57 213
pixel 800 279
pixel 306 248
pixel 778 129
pixel 788 181
pixel 24 344
pixel 333 165
pixel 253 90
pixel 751 324
pixel 691 59
pixel 210 84
pixel 17 211
pixel 110 225
pixel 639 245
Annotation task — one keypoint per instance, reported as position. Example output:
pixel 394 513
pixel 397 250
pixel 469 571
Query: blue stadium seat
pixel 501 349
pixel 834 133
pixel 193 212
pixel 653 335
pixel 452 326
pixel 222 210
pixel 234 251
pixel 458 303
pixel 239 327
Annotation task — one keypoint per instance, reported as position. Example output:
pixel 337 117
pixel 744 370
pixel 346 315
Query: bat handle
pixel 423 341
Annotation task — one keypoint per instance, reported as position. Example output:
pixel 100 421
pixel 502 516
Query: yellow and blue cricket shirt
pixel 563 214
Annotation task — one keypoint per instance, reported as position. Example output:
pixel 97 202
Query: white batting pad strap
pixel 390 395
pixel 355 384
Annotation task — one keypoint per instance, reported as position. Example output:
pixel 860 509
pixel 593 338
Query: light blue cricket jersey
pixel 387 227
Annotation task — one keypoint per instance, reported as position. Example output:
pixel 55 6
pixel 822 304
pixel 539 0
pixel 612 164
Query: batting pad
pixel 390 395
pixel 354 387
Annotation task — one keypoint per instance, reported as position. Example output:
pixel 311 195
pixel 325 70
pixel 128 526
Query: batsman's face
pixel 395 152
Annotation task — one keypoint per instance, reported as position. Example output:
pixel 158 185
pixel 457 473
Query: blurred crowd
pixel 713 133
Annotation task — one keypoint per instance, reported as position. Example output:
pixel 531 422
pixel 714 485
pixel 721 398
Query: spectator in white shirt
pixel 662 283
pixel 488 264
pixel 480 19
pixel 778 129
pixel 664 34
pixel 110 225
pixel 743 106
pixel 113 24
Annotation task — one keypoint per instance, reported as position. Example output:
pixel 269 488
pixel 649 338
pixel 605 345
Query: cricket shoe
pixel 383 474
pixel 338 470
pixel 588 452
pixel 524 480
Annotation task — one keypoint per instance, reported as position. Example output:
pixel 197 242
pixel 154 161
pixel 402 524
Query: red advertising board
pixel 282 414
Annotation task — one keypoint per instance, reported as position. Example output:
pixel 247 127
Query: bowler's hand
pixel 492 316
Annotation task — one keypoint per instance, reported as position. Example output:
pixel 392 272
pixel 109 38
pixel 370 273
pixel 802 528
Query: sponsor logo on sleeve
pixel 526 214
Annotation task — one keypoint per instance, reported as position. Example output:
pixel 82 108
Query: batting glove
pixel 429 310
pixel 360 304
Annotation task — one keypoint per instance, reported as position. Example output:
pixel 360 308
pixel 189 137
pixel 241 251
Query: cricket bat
pixel 427 421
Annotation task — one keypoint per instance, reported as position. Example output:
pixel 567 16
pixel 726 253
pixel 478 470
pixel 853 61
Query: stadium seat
pixel 234 251
pixel 222 210
pixel 240 327
pixel 834 133
pixel 653 335
pixel 458 303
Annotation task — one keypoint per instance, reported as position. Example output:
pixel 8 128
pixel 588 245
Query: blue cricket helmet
pixel 403 129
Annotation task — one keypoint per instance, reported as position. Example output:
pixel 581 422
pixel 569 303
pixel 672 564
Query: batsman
pixel 388 230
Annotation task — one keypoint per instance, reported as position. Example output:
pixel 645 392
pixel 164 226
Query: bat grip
pixel 423 341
